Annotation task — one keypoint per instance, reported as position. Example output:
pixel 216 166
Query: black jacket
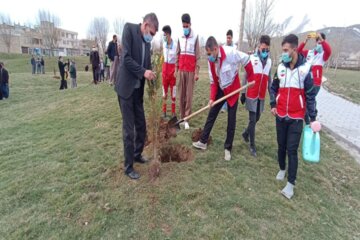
pixel 309 89
pixel 94 59
pixel 112 50
pixel 62 67
pixel 4 76
pixel 130 68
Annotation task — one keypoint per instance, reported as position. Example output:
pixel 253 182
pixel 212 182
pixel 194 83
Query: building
pixel 44 39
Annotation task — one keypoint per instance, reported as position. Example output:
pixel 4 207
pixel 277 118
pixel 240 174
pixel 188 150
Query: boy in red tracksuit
pixel 223 62
pixel 254 97
pixel 168 70
pixel 317 58
pixel 291 95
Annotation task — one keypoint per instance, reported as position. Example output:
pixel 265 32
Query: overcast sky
pixel 208 17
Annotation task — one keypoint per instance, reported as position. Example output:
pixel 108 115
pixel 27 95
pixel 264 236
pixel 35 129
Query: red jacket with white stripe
pixel 316 59
pixel 224 74
pixel 292 91
pixel 187 49
pixel 260 74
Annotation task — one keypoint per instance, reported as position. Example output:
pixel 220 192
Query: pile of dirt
pixel 175 153
pixel 164 132
pixel 197 134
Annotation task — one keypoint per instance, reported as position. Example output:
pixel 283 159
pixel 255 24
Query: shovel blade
pixel 174 123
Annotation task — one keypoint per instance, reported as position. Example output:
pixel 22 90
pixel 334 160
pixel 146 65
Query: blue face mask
pixel 186 31
pixel 319 48
pixel 264 55
pixel 285 57
pixel 148 38
pixel 211 58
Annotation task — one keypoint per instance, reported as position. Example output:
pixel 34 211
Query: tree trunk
pixel 242 20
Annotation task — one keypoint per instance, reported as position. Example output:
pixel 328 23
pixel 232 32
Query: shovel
pixel 175 123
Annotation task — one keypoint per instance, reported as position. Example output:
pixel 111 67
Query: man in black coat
pixel 95 61
pixel 63 82
pixel 134 68
pixel 113 54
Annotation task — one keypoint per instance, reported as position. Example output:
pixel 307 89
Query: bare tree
pixel 118 26
pixel 337 48
pixel 242 20
pixel 49 27
pixel 259 21
pixel 305 21
pixel 98 31
pixel 7 30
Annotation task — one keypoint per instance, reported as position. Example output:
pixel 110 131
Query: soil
pixel 197 134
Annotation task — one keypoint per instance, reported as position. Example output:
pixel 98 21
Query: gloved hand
pixel 243 98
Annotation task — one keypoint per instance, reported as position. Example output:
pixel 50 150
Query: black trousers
pixel 253 119
pixel 288 138
pixel 95 74
pixel 63 82
pixel 231 123
pixel 134 127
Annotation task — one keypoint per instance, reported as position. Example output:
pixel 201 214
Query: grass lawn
pixel 346 83
pixel 61 176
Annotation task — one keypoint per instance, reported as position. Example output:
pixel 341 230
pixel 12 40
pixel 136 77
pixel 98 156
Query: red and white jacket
pixel 169 53
pixel 224 73
pixel 260 74
pixel 187 47
pixel 292 91
pixel 317 60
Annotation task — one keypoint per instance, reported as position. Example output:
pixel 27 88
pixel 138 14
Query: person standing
pixel 112 52
pixel 42 62
pixel 62 65
pixel 254 98
pixel 102 71
pixel 223 62
pixel 291 95
pixel 129 86
pixel 33 64
pixel 95 62
pixel 229 43
pixel 187 66
pixel 317 57
pixel 38 66
pixel 4 82
pixel 168 70
pixel 73 74
pixel 107 68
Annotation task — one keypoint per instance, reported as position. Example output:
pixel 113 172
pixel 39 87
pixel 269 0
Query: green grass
pixel 60 153
pixel 20 63
pixel 346 83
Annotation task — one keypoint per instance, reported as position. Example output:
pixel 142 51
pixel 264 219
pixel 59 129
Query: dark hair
pixel 167 29
pixel 292 39
pixel 185 18
pixel 265 39
pixel 229 33
pixel 114 36
pixel 322 35
pixel 211 43
pixel 151 18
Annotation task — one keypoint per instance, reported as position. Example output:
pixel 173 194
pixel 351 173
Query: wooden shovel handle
pixel 219 100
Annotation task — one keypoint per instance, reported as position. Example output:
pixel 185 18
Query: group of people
pixel 292 90
pixel 65 69
pixel 37 65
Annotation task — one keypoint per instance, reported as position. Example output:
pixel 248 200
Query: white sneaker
pixel 186 124
pixel 281 175
pixel 288 191
pixel 200 145
pixel 227 155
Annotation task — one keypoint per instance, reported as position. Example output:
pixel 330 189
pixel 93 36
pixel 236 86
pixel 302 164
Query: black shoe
pixel 253 151
pixel 133 175
pixel 245 135
pixel 141 160
pixel 164 115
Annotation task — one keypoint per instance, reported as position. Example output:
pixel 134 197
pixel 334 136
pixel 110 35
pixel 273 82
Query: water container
pixel 310 145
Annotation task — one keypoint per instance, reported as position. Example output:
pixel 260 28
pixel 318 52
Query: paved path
pixel 340 116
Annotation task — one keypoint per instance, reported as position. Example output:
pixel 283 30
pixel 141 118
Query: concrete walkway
pixel 339 116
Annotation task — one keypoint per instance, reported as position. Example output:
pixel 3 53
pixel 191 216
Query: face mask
pixel 147 37
pixel 212 58
pixel 319 48
pixel 285 57
pixel 264 55
pixel 186 31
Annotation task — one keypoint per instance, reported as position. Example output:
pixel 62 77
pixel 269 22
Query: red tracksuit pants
pixel 169 80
